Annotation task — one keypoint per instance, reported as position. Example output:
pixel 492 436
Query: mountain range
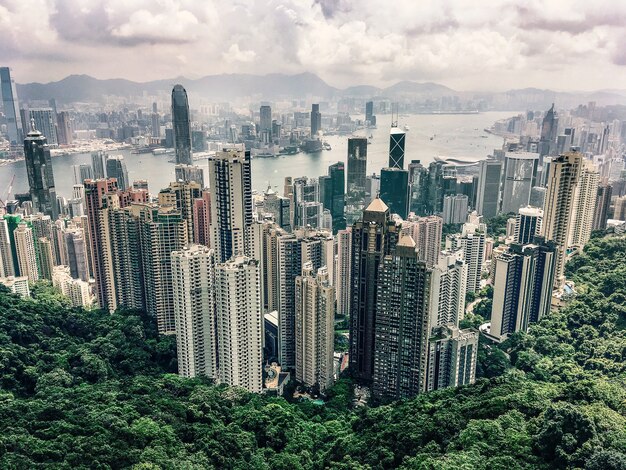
pixel 229 87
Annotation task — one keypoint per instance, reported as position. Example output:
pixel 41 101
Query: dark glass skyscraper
pixel 373 238
pixel 116 168
pixel 181 125
pixel 316 119
pixel 39 170
pixel 394 190
pixel 332 194
pixel 10 106
pixel 357 165
pixel 396 148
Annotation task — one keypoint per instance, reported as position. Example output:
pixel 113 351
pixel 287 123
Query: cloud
pixel 493 43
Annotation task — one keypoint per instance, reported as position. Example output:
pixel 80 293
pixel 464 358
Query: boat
pixel 289 150
pixel 264 155
pixel 326 146
pixel 406 128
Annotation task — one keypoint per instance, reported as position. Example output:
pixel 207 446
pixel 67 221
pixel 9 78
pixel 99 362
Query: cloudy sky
pixel 465 44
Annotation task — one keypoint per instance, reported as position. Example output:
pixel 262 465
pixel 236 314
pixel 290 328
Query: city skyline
pixel 516 44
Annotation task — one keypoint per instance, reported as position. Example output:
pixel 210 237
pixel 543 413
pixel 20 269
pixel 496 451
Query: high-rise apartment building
pixel 373 237
pixel 528 224
pixel 585 204
pixel 452 357
pixel 488 193
pixel 39 171
pixel 239 322
pixel 601 212
pixel 11 107
pixel 472 242
pixel 189 173
pixel 315 322
pixel 193 276
pixel 231 202
pixel 559 206
pixel 342 270
pixel 45 258
pixel 455 209
pixel 402 323
pixel 25 252
pixel 449 286
pixel 77 253
pixel 201 219
pixel 97 164
pixel 427 233
pixel 181 125
pixel 182 195
pixel 7 268
pixel 76 290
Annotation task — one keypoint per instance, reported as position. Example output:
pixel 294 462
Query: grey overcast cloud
pixel 465 44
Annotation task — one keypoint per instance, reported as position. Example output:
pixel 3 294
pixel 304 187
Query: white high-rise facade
pixel 231 202
pixel 76 290
pixel 342 271
pixel 193 273
pixel 472 242
pixel 447 299
pixel 426 232
pixel 25 250
pixel 528 224
pixel 7 269
pixel 584 205
pixel 239 321
pixel 315 313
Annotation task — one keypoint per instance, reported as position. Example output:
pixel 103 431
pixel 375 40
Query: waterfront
pixel 456 135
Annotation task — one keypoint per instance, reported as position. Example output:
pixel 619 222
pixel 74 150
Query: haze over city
pixel 484 46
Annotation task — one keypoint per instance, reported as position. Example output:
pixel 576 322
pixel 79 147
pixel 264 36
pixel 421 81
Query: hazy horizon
pixel 562 45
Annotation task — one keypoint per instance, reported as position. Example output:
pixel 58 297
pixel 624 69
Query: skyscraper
pixel 418 190
pixel 188 173
pixel 488 194
pixel 402 323
pixel 472 242
pixel 559 205
pixel 11 107
pixel 64 128
pixel 315 321
pixel 600 214
pixel 519 175
pixel 116 168
pixel 394 190
pixel 449 286
pixel 452 357
pixel 397 138
pixel 265 124
pixel 40 176
pixel 585 203
pixel 373 238
pixel 25 252
pixel 239 321
pixel 316 120
pixel 369 113
pixel 549 129
pixel 332 194
pixel 193 274
pixel 230 181
pixel 77 254
pixel 455 209
pixel 528 224
pixel 182 195
pixel 97 164
pixel 181 125
pixel 44 119
pixel 357 166
pixel 342 271
pixel 426 232
pixel 82 173
pixel 7 268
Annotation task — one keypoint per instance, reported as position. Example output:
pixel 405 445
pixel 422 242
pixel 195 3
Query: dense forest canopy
pixel 90 390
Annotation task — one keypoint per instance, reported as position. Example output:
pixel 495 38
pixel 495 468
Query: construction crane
pixel 2 203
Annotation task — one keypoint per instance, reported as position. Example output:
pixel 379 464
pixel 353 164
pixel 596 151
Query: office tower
pixel 201 219
pixel 306 190
pixel 472 242
pixel 309 214
pixel 11 107
pixel 585 203
pixel 426 232
pixel 39 171
pixel 163 231
pixel 82 173
pixel 549 129
pixel 279 207
pixel 522 288
pixel 182 195
pixel 64 128
pixel 181 125
pixel 231 202
pixel 452 357
pixel 418 190
pixel 342 270
pixel 76 290
pixel 116 168
pixel 396 148
pixel 77 254
pixel 519 176
pixel 155 121
pixel 45 259
pixel 372 187
pixel 332 194
pixel 187 173
pixel 97 164
pixel 528 224
pixel 435 185
pixel 455 209
pixel 537 196
pixel 600 214
pixel 7 268
pixel 357 166
pixel 394 190
pixel 369 114
pixel 25 252
pixel 100 253
pixel 373 237
pixel 557 211
pixel 488 193
pixel 193 274
pixel 265 124
pixel 17 285
pixel 239 323
pixel 449 286
pixel 316 120
pixel 315 323
pixel 293 251
pixel 44 119
pixel 402 323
